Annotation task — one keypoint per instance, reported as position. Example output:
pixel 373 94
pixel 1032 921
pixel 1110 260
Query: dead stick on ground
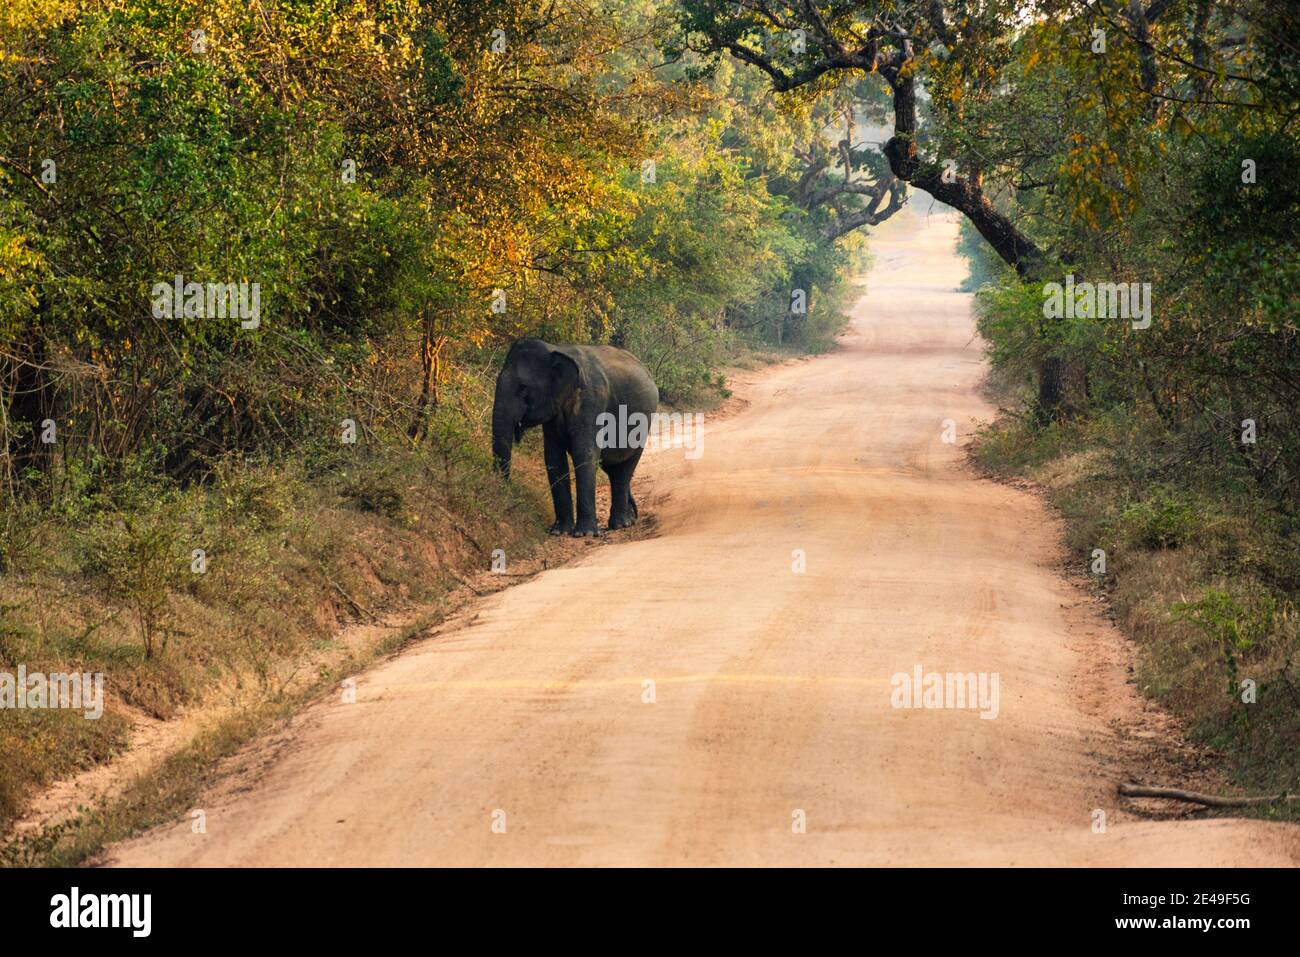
pixel 1209 800
pixel 339 588
pixel 455 525
pixel 352 601
pixel 466 583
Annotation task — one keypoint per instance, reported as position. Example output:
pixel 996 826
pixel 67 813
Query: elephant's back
pixel 613 359
pixel 631 380
pixel 615 356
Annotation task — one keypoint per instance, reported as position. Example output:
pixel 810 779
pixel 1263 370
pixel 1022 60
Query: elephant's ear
pixel 565 375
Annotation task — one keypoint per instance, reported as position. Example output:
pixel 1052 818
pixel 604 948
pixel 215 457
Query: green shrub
pixel 1164 520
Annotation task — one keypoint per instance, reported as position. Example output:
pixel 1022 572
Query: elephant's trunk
pixel 503 431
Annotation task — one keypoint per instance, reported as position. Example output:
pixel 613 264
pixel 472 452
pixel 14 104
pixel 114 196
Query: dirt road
pixel 772 687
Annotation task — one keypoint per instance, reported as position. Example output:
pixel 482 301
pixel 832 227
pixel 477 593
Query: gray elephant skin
pixel 565 389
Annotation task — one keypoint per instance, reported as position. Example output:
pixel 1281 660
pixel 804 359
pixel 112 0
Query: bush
pixel 1165 520
pixel 142 558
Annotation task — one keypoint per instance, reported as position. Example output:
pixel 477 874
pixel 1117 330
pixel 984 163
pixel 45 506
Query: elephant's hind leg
pixel 622 507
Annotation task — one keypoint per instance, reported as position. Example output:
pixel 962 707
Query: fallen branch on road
pixel 1208 800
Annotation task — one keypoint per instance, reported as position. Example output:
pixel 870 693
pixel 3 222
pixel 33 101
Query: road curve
pixel 523 736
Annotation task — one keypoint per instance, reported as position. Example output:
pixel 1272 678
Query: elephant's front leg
pixel 557 473
pixel 584 467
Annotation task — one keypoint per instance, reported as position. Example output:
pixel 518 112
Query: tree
pixel 970 61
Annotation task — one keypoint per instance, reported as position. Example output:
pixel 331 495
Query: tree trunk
pixel 964 193
pixel 431 347
pixel 1049 389
pixel 30 404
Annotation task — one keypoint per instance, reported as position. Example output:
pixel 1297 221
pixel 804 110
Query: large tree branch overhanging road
pixel 963 192
pixel 879 193
pixel 832 43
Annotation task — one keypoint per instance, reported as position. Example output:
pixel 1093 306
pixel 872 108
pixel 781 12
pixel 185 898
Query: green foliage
pixel 141 557
pixel 1236 627
pixel 1161 521
pixel 474 171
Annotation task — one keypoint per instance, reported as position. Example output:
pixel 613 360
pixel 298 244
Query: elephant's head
pixel 534 383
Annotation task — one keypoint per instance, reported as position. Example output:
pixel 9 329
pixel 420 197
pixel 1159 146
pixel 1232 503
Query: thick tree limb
pixel 890 53
pixel 1207 800
pixel 964 192
pixel 872 214
pixel 852 188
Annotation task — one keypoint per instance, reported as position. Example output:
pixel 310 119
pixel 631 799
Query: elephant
pixel 568 390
